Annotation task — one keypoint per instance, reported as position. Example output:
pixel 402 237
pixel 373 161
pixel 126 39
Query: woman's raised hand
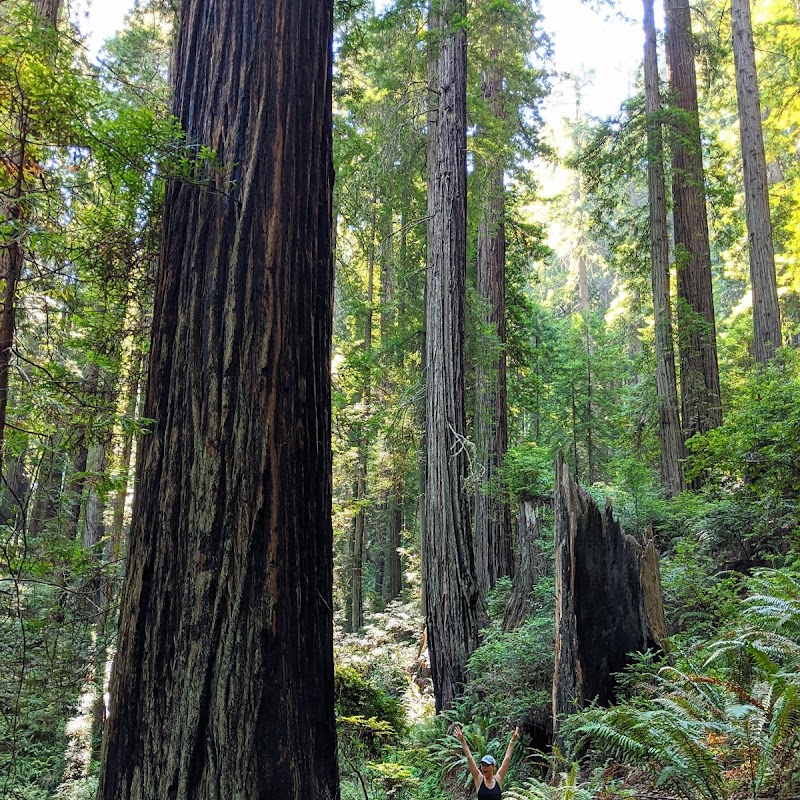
pixel 515 734
pixel 459 734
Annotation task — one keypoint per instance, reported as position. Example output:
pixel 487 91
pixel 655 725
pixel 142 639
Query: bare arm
pixel 473 767
pixel 501 773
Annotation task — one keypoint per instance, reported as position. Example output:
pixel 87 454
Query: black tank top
pixel 485 793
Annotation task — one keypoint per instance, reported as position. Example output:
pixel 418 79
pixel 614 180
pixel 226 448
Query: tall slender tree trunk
pixel 112 553
pixel 590 454
pixel 223 683
pixel 72 500
pixel 576 465
pixel 94 526
pixel 121 497
pixel 356 615
pixel 493 557
pixel 47 487
pixel 392 583
pixel 670 436
pixel 697 336
pixel 451 590
pixel 766 313
pixel 584 296
pixel 393 576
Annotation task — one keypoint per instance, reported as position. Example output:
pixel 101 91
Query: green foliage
pixel 527 471
pixel 369 725
pixel 634 492
pixel 757 448
pixel 497 598
pixel 566 785
pixel 358 699
pixel 511 672
pixel 700 598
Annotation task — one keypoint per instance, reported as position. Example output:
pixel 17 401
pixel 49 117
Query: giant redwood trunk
pixel 608 599
pixel 223 682
pixel 697 337
pixel 492 515
pixel 451 591
pixel 766 312
pixel 670 435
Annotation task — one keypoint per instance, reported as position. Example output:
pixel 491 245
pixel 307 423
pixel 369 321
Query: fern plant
pixel 732 725
pixel 567 787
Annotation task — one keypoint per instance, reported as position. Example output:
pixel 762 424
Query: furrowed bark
pixel 697 337
pixel 223 684
pixel 670 435
pixel 763 282
pixel 451 591
pixel 492 516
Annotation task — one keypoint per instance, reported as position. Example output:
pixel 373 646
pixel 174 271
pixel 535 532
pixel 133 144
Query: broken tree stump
pixel 608 599
pixel 529 565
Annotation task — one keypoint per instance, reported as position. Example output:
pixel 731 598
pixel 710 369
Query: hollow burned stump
pixel 608 599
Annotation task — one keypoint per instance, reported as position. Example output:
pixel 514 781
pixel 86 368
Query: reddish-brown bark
pixel 223 683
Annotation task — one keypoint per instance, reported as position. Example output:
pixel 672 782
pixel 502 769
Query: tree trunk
pixel 766 314
pixel 113 551
pixel 14 492
pixel 529 567
pixel 670 436
pixel 47 488
pixel 48 11
pixel 121 498
pixel 587 345
pixel 574 409
pixel 697 337
pixel 72 498
pixel 11 259
pixel 451 591
pixel 392 583
pixel 393 580
pixel 584 296
pixel 356 616
pixel 608 599
pixel 94 524
pixel 223 683
pixel 492 517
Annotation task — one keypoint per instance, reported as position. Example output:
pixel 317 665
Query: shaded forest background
pixel 565 352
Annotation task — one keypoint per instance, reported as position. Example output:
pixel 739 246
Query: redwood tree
pixel 451 590
pixel 669 425
pixel 223 683
pixel 492 515
pixel 766 313
pixel 697 338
